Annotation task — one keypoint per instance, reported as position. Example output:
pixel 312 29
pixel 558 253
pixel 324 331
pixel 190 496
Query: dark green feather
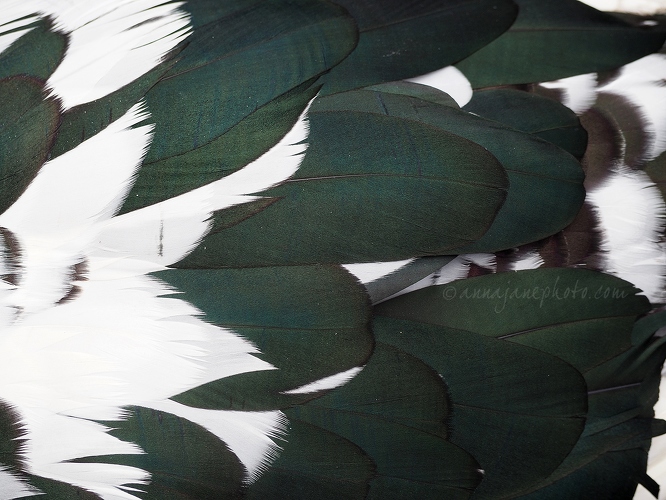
pixel 545 191
pixel 315 463
pixel 37 53
pixel 236 89
pixel 28 124
pixel 554 39
pixel 371 188
pixel 585 319
pixel 186 462
pixel 519 430
pixel 531 113
pixel 402 39
pixel 395 410
pixel 309 322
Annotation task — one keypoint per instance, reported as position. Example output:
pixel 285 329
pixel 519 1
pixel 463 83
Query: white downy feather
pixel 642 83
pixel 632 218
pixel 531 260
pixel 580 91
pixel 450 80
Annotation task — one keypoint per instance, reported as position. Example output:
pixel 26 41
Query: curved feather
pixel 186 283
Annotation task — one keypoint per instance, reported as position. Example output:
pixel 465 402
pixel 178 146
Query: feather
pixel 632 214
pixel 327 383
pixel 579 91
pixel 164 233
pixel 449 80
pixel 11 31
pixel 332 249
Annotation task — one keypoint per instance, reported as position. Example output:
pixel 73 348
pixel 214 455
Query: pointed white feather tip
pixel 249 435
pixel 55 439
pixel 272 168
pixel 531 260
pixel 580 91
pixel 223 354
pixel 111 44
pixel 641 7
pixel 162 234
pixel 84 185
pixel 327 383
pixel 450 80
pixel 10 32
pixel 642 82
pixel 12 486
pixel 372 271
pixel 632 214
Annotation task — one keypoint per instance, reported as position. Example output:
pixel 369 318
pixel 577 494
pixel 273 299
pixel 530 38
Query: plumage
pixel 331 249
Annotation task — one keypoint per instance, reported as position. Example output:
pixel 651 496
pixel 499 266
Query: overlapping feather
pixel 258 349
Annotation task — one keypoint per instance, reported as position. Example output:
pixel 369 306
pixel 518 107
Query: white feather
pixel 159 235
pixel 632 215
pixel 327 383
pixel 118 344
pixel 373 271
pixel 12 486
pixel 580 91
pixel 643 7
pixel 56 219
pixel 249 435
pixel 111 42
pixel 84 185
pixel 642 82
pixel 531 260
pixel 53 439
pixel 450 80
